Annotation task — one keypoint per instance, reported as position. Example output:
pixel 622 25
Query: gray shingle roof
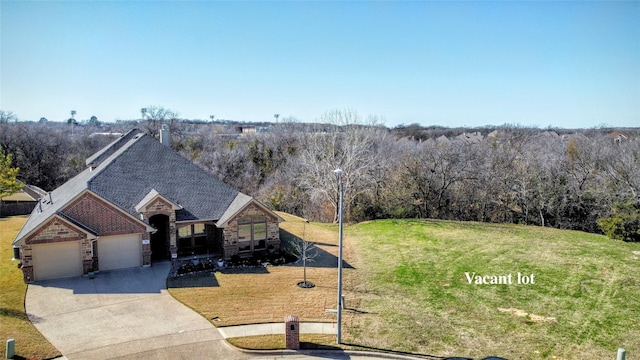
pixel 145 164
pixel 60 197
pixel 131 167
pixel 240 201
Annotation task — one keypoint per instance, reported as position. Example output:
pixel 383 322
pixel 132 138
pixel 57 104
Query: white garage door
pixel 118 252
pixel 59 260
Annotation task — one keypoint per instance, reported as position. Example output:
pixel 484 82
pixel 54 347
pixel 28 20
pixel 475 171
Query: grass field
pixel 13 319
pixel 414 295
pixel 406 290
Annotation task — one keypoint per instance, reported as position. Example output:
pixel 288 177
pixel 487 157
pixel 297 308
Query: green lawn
pixel 411 292
pixel 406 290
pixel 13 319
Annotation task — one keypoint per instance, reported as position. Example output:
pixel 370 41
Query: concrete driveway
pixel 119 314
pixel 127 314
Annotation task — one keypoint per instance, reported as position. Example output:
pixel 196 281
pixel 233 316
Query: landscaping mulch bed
pixel 199 265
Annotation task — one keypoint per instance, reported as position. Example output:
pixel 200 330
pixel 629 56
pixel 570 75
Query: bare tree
pixel 156 116
pixel 7 116
pixel 622 165
pixel 305 251
pixel 349 146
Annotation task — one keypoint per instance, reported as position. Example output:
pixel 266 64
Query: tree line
pixel 549 177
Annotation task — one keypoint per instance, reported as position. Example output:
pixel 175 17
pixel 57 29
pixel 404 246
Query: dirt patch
pixel 530 317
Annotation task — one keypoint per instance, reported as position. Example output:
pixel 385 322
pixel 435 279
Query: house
pixel 138 202
pixel 618 137
pixel 247 130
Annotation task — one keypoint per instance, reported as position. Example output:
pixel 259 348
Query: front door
pixel 160 239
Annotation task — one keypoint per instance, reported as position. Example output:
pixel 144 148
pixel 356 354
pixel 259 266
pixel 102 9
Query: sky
pixel 568 64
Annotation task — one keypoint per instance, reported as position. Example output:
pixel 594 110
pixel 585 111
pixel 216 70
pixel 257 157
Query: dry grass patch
pixel 277 342
pixel 530 317
pixel 15 324
pixel 238 297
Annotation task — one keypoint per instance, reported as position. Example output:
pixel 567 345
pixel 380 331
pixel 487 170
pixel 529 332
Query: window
pixel 184 232
pixel 244 232
pixel 252 233
pixel 192 239
pixel 198 229
pixel 191 230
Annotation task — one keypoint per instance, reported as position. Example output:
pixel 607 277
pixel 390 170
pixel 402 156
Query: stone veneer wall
pixel 56 230
pixel 158 206
pixel 230 232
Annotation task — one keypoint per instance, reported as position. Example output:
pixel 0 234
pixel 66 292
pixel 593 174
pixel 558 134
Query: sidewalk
pixel 275 328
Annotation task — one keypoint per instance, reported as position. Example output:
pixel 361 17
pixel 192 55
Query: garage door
pixel 59 260
pixel 118 252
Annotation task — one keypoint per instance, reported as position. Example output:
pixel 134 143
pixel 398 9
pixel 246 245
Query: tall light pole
pixel 340 214
pixel 276 116
pixel 73 120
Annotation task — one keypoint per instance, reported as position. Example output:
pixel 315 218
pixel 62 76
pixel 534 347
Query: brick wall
pixel 102 217
pixel 146 250
pixel 292 332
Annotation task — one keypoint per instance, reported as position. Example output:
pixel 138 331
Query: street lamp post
pixel 340 215
pixel 73 120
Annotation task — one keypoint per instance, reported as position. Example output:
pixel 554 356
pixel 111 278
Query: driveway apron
pixel 121 313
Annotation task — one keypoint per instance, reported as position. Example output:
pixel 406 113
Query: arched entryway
pixel 160 239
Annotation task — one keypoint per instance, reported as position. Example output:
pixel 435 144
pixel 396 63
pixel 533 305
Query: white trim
pixel 151 197
pixel 252 201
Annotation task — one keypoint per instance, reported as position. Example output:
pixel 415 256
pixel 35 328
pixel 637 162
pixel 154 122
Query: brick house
pixel 138 202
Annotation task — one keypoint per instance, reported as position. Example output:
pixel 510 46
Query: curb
pixel 372 354
pixel 274 328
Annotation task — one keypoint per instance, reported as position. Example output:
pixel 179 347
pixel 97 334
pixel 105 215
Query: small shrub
pixel 625 222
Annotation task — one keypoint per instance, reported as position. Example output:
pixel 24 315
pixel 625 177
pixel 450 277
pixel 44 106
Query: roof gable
pixel 95 212
pixel 58 228
pixel 151 198
pixel 241 202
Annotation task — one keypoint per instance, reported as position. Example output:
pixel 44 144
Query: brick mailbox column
pixel 292 332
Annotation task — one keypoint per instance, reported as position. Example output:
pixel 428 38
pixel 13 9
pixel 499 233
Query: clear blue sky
pixel 560 63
